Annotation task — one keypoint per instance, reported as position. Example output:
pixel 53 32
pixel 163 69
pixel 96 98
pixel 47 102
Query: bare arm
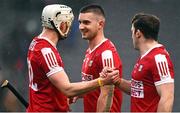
pixel 105 98
pixel 61 81
pixel 166 93
pixel 124 85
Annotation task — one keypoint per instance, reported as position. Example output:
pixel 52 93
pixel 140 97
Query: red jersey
pixel 152 69
pixel 105 54
pixel 43 61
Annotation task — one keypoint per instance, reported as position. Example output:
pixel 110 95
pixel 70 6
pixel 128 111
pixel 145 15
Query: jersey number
pixel 31 84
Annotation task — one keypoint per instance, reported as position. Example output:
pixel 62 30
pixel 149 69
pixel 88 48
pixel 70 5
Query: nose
pixel 81 26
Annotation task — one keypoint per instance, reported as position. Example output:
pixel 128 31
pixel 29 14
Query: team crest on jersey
pixel 140 67
pixel 90 63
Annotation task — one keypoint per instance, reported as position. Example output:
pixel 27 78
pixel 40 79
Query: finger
pixel 113 73
pixel 104 70
pixel 102 75
pixel 107 69
pixel 75 99
pixel 115 68
pixel 116 79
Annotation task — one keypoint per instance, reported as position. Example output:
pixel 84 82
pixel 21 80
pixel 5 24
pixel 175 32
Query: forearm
pixel 124 85
pixel 104 102
pixel 165 105
pixel 79 88
pixel 73 89
pixel 61 81
pixel 101 103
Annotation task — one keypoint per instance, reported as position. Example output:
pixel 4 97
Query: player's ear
pixel 138 33
pixel 63 26
pixel 101 24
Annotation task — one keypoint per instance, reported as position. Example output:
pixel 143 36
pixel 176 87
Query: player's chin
pixel 84 37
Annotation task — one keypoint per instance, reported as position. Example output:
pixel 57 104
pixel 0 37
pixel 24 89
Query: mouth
pixel 84 33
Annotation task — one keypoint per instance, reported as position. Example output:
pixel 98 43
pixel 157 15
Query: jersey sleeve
pixel 111 59
pixel 50 61
pixel 107 58
pixel 163 70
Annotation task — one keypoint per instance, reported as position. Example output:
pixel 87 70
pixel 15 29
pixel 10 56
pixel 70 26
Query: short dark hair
pixel 148 24
pixel 97 9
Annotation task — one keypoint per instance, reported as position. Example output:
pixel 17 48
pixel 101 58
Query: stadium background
pixel 20 22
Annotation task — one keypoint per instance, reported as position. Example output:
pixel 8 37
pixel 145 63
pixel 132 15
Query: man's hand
pixel 113 75
pixel 105 71
pixel 117 80
pixel 109 76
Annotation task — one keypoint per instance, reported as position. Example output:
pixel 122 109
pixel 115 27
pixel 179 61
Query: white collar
pixel 90 51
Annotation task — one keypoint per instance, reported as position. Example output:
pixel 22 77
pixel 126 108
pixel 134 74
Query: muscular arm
pixel 105 98
pixel 61 81
pixel 166 93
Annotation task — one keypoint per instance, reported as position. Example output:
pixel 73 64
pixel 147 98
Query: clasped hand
pixel 110 75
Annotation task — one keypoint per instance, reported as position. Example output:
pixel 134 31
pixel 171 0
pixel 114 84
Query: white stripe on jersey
pixel 51 61
pixel 163 69
pixel 107 58
pixel 54 70
pixel 49 57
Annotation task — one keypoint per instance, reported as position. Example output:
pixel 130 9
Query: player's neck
pixel 96 41
pixel 51 35
pixel 147 45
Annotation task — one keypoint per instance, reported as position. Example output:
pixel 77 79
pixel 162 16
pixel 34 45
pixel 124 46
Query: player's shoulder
pixel 105 46
pixel 108 44
pixel 158 51
pixel 37 44
pixel 158 54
